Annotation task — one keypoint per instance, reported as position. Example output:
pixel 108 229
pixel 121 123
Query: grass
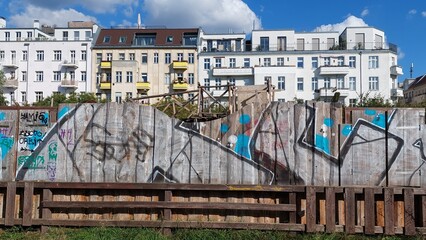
pixel 110 233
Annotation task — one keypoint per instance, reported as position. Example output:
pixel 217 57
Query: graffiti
pixel 28 140
pixel 31 117
pixel 6 144
pixel 6 131
pixel 51 163
pixel 30 162
pixel 66 136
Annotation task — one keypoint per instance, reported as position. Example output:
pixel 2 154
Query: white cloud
pixel 47 16
pixel 401 54
pixel 424 14
pixel 212 16
pixel 412 12
pixel 365 12
pixel 350 21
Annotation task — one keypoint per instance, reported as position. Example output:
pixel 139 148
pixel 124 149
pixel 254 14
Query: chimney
pixel 36 24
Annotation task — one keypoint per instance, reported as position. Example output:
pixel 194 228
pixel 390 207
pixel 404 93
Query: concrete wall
pixel 277 143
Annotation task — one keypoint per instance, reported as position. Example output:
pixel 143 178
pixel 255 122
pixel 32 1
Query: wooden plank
pixel 10 204
pixel 167 205
pixel 330 200
pixel 350 211
pixel 369 211
pixel 46 213
pixel 167 212
pixel 28 204
pixel 409 217
pixel 292 201
pixel 389 212
pixel 424 210
pixel 310 209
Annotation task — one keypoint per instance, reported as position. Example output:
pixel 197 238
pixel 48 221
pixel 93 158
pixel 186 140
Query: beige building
pixel 415 90
pixel 130 63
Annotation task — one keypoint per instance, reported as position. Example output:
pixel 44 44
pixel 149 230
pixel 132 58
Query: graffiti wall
pixel 278 143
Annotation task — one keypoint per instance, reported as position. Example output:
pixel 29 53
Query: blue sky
pixel 403 21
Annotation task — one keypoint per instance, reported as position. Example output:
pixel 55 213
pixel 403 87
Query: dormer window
pixel 122 39
pixel 107 39
pixel 169 39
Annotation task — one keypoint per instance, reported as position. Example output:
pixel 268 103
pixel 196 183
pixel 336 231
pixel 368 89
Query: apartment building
pixel 415 90
pixel 307 66
pixel 42 60
pixel 130 63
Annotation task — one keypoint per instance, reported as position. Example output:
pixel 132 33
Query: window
pixel 39 96
pixel 24 76
pixel 83 76
pixel 352 83
pixel 145 58
pixel 266 62
pixel 155 57
pixel 300 44
pixel 231 81
pixel 72 54
pixel 24 96
pixel 218 62
pixel 300 62
pixel 108 77
pixel 314 83
pixel 232 62
pixel 167 78
pixel 206 63
pixel 40 55
pixel 144 77
pixel 76 35
pixel 129 76
pixel 373 83
pixel 314 62
pixel 18 36
pixel 39 76
pixel 56 76
pixel 118 76
pixel 57 55
pixel 7 36
pixel 106 39
pixel 13 56
pixel 246 62
pixel 98 78
pixel 267 80
pixel 190 78
pixel 118 97
pixel 169 39
pixel 72 75
pixel 122 39
pixel 340 61
pixel 144 39
pixel 121 56
pixel 281 82
pixel 327 61
pixel 299 84
pixel 206 82
pixel 327 82
pixel 65 36
pixel 373 62
pixel 190 58
pixel 218 82
pixel 88 35
pixel 352 62
pixel 330 43
pixel 352 102
pixel 98 57
pixel 83 55
pixel 167 58
pixel 24 55
pixel 282 43
pixel 340 83
pixel 29 35
pixel 2 56
pixel 280 61
pixel 190 39
pixel 129 95
pixel 109 56
pixel 180 57
pixel 132 56
pixel 264 44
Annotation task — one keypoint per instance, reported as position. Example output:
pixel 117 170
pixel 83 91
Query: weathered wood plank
pixel 28 204
pixel 389 212
pixel 330 200
pixel 409 217
pixel 350 211
pixel 46 213
pixel 311 221
pixel 424 211
pixel 292 200
pixel 369 211
pixel 10 204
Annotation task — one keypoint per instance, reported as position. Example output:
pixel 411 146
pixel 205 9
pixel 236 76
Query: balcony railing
pixel 11 83
pixel 106 64
pixel 105 85
pixel 333 70
pixel 233 71
pixel 70 63
pixel 143 86
pixel 322 46
pixel 396 70
pixel 180 84
pixel 67 83
pixel 181 65
pixel 11 64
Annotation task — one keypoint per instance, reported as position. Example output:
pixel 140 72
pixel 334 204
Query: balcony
pixel 66 83
pixel 180 65
pixel 143 86
pixel 232 71
pixel 333 70
pixel 397 92
pixel 70 64
pixel 106 65
pixel 396 70
pixel 11 83
pixel 329 92
pixel 180 84
pixel 105 85
pixel 12 64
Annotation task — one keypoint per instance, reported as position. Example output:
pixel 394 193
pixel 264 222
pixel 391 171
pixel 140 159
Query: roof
pixel 175 36
pixel 419 81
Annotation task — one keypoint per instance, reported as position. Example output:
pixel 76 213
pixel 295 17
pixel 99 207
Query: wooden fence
pixel 372 210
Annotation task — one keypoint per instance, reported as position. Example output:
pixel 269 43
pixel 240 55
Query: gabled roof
pixel 175 36
pixel 419 81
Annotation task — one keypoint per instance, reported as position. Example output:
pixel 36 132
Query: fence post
pixel 370 209
pixel 389 212
pixel 10 204
pixel 311 210
pixel 167 212
pixel 27 212
pixel 409 219
pixel 330 209
pixel 46 213
pixel 349 210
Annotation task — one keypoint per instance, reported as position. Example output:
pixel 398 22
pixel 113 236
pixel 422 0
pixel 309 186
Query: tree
pixel 58 98
pixel 376 101
pixel 3 101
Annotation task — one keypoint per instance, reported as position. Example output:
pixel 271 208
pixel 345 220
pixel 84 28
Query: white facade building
pixel 308 66
pixel 41 60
